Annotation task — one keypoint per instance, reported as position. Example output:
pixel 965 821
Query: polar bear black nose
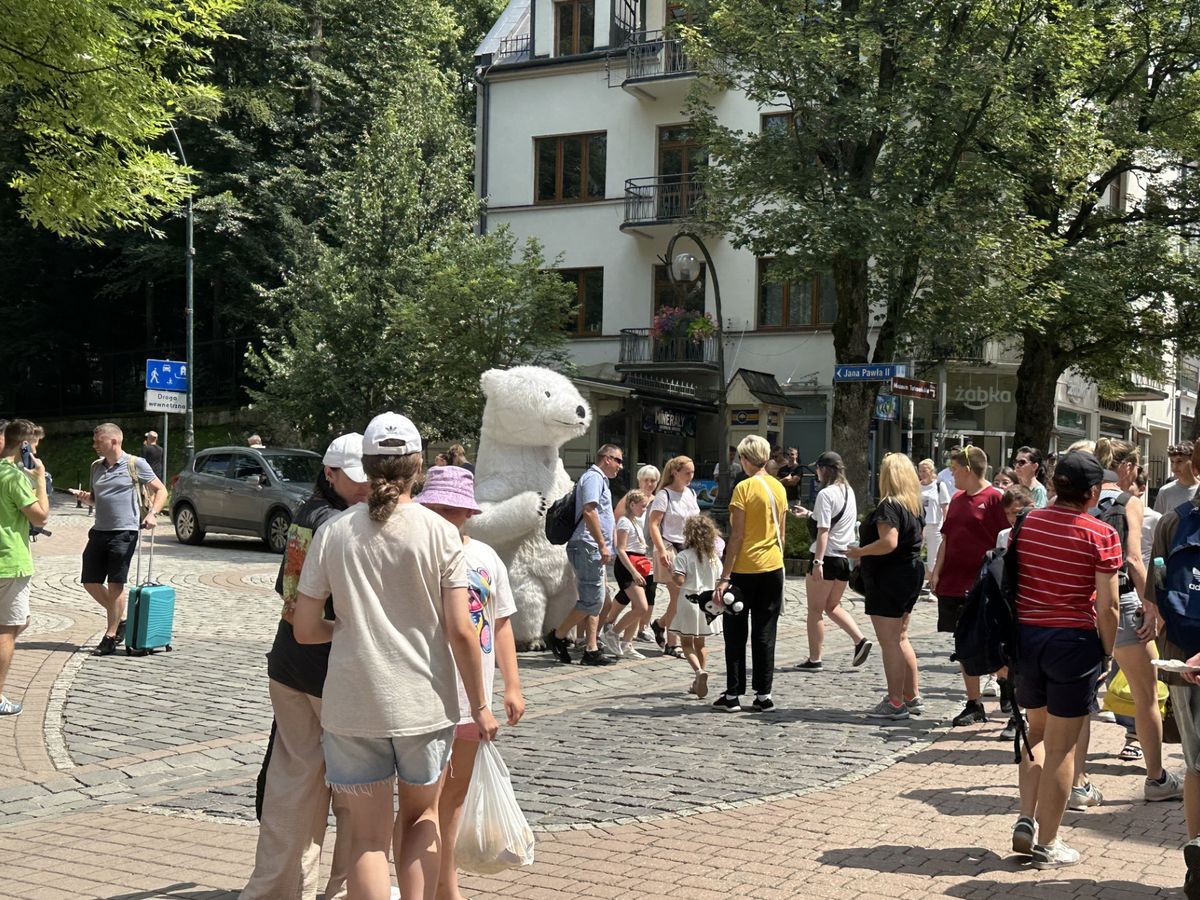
pixel 580 411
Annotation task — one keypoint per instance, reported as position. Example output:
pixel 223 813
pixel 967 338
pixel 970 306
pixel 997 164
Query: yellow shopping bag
pixel 1118 699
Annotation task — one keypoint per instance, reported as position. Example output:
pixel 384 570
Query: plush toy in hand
pixel 733 600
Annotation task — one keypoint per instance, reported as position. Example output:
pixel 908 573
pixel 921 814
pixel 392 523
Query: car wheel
pixel 187 525
pixel 278 524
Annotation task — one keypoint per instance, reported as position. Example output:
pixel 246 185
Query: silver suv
pixel 239 490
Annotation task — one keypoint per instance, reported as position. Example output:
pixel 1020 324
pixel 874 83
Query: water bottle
pixel 1160 572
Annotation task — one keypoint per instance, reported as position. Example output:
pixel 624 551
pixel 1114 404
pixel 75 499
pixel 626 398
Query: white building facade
pixel 582 144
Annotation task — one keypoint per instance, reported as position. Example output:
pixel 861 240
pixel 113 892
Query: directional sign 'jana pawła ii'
pixel 166 375
pixel 867 371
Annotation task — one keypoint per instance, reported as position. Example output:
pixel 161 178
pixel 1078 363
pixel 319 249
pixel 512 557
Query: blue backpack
pixel 1179 592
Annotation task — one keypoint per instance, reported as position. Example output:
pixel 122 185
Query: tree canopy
pixel 95 85
pixel 405 306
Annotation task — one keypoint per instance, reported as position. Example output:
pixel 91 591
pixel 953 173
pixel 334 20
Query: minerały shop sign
pixel 669 421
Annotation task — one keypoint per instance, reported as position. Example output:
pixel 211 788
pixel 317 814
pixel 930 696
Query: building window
pixel 777 123
pixel 688 295
pixel 681 159
pixel 570 168
pixel 574 27
pixel 589 294
pixel 810 303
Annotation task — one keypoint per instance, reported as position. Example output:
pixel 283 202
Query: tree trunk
pixel 853 402
pixel 1037 381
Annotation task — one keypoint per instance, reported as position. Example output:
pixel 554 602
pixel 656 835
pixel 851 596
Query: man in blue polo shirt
pixel 116 480
pixel 590 550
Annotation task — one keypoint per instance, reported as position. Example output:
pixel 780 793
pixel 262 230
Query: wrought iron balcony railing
pixel 652 54
pixel 513 49
pixel 660 199
pixel 639 348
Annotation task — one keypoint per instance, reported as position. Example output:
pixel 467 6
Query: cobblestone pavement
pixel 133 777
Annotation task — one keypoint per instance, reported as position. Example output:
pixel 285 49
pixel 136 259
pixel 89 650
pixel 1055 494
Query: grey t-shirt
pixel 113 493
pixel 1172 495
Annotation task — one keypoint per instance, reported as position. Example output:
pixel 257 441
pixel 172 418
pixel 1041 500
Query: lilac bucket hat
pixel 449 486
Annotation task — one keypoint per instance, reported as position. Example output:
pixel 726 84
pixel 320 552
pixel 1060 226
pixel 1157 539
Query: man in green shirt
pixel 23 502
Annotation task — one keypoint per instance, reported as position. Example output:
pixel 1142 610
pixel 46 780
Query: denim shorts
pixel 353 762
pixel 589 577
pixel 1129 622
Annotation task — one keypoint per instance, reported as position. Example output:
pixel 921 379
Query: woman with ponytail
pixel 1030 472
pixel 391 699
pixel 1139 620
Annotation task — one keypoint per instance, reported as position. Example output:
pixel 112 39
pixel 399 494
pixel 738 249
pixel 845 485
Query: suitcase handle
pixel 150 565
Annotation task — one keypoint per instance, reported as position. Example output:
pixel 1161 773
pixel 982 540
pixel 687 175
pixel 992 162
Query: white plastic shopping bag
pixel 493 834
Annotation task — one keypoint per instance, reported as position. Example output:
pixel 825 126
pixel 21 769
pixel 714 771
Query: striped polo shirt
pixel 1059 553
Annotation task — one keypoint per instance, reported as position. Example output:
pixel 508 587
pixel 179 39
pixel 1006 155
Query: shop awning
pixel 764 387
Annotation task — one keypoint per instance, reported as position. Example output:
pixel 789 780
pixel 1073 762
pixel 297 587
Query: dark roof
pixel 764 386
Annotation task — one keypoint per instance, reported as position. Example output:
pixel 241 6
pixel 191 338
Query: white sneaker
pixel 628 651
pixel 1054 856
pixel 990 687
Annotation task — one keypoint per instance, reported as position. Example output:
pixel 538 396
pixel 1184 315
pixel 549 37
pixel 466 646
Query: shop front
pixel 980 409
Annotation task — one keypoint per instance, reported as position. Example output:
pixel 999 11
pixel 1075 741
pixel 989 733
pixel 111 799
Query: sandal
pixel 1131 752
pixel 675 651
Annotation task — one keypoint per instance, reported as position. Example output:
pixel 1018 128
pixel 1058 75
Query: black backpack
pixel 986 637
pixel 561 519
pixel 1112 511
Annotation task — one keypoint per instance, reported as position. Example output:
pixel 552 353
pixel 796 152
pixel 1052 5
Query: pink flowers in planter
pixel 672 322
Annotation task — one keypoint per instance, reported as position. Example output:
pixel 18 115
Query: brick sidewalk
pixel 120 781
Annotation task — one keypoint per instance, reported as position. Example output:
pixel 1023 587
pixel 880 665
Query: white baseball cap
pixel 391 427
pixel 345 453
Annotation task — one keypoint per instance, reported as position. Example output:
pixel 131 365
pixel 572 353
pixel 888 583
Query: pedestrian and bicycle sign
pixel 868 371
pixel 166 375
pixel 166 386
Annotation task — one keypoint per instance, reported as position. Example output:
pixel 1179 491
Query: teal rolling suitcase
pixel 151 611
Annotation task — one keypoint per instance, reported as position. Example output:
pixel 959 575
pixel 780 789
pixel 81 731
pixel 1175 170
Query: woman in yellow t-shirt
pixel 753 565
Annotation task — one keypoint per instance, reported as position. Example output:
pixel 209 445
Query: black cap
pixel 1080 470
pixel 829 459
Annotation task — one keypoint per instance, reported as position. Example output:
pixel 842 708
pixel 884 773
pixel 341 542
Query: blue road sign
pixel 867 371
pixel 166 375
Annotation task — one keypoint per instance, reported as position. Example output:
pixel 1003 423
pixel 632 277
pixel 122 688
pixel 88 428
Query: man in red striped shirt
pixel 1067 607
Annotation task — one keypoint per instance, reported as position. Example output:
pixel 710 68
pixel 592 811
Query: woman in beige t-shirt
pixel 390 698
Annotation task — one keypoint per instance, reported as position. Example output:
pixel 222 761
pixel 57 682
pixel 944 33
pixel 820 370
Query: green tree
pixel 872 172
pixel 96 86
pixel 404 306
pixel 1105 163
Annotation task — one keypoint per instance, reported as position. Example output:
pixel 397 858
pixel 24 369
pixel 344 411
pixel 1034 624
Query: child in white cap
pixel 450 492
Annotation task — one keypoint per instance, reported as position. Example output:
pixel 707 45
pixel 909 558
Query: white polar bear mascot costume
pixel 529 413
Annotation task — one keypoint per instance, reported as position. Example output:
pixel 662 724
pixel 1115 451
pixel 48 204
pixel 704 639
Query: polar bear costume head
pixel 530 406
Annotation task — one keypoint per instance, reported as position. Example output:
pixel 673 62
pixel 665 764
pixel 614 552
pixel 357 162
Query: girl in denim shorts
pixel 390 699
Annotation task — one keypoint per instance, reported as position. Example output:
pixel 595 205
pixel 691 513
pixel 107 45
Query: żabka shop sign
pixel 978 397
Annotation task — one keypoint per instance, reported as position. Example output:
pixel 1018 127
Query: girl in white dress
pixel 695 571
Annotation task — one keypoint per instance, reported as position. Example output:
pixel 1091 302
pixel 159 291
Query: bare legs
pixel 8 642
pixel 462 764
pixel 899 659
pixel 825 599
pixel 1046 782
pixel 1134 660
pixel 627 625
pixel 111 597
pixel 665 619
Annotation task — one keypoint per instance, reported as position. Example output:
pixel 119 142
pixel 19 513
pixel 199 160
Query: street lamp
pixel 189 431
pixel 684 268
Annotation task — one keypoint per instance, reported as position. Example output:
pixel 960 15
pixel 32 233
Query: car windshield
pixel 295 468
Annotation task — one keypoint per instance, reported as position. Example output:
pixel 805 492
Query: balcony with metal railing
pixel 513 49
pixel 659 200
pixel 657 66
pixel 643 351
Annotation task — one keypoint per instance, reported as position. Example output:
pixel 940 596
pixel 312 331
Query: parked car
pixel 242 490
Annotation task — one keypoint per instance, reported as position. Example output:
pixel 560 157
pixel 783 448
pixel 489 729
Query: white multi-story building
pixel 582 143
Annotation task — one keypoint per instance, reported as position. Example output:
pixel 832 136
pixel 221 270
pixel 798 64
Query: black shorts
pixel 1058 669
pixel 625 579
pixel 835 568
pixel 949 609
pixel 107 556
pixel 892 589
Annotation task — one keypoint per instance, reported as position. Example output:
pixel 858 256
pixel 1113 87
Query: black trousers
pixel 762 594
